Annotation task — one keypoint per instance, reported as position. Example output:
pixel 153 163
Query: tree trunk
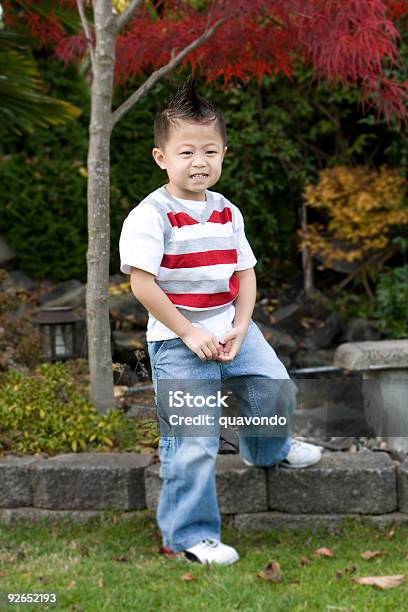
pixel 97 303
pixel 307 262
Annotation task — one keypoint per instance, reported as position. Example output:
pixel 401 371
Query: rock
pixel 278 521
pixel 38 515
pixel 283 313
pixel 280 341
pixel 15 481
pixel 402 481
pixel 17 279
pixel 331 329
pixel 8 256
pixel 233 478
pixel 127 342
pixel 341 483
pixel 124 306
pixel 69 293
pixel 90 481
pixel 358 330
pixel 310 359
pixel 384 354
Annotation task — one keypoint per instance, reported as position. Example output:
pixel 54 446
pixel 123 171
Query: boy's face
pixel 192 158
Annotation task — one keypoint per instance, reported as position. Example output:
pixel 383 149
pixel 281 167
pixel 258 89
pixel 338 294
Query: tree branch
pixel 157 74
pixel 127 14
pixel 85 27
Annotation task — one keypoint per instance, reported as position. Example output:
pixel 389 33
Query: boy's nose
pixel 199 161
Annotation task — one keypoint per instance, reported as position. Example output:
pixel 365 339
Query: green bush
pixel 45 413
pixel 391 302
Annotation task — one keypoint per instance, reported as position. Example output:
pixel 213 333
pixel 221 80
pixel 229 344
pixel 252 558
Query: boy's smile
pixel 192 157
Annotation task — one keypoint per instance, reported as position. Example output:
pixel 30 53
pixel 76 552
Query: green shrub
pixel 391 302
pixel 44 413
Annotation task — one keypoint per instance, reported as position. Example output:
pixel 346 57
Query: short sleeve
pixel 141 243
pixel 246 257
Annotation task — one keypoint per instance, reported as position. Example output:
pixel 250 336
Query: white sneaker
pixel 301 455
pixel 211 551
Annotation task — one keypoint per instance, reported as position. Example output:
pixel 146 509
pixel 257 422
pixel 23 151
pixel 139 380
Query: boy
pixel 192 268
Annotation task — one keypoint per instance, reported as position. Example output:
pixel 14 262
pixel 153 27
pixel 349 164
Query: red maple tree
pixel 354 41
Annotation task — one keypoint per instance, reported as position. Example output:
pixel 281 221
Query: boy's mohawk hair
pixel 186 105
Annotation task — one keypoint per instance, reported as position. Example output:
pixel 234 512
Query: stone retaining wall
pixel 82 486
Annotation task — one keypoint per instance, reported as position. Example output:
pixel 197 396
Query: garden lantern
pixel 61 332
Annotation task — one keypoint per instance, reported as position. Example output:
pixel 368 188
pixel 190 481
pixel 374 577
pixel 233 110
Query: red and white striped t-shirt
pixel 193 249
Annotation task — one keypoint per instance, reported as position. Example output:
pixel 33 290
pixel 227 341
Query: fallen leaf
pixel 390 533
pixel 383 582
pixel 101 583
pixel 169 554
pixel 123 558
pixel 304 561
pixel 339 573
pixel 350 570
pixel 307 322
pixel 271 572
pixel 324 552
pixel 188 577
pixel 370 554
pixel 71 585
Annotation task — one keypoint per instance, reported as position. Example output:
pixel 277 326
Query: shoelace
pixel 210 543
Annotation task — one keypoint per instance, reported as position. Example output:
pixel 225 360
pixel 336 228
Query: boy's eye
pixel 211 152
pixel 186 153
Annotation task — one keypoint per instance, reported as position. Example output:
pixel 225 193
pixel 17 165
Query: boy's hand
pixel 231 343
pixel 202 342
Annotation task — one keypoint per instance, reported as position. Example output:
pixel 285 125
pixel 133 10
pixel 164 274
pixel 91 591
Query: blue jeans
pixel 188 510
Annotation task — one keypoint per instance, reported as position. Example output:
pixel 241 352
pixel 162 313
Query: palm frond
pixel 22 101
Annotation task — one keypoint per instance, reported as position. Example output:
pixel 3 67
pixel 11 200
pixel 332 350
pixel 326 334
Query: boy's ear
pixel 225 150
pixel 159 158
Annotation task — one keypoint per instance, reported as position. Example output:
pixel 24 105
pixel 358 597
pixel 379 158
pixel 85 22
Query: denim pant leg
pixel 267 389
pixel 187 511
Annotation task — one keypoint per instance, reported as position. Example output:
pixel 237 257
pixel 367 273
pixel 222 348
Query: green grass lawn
pixel 112 564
